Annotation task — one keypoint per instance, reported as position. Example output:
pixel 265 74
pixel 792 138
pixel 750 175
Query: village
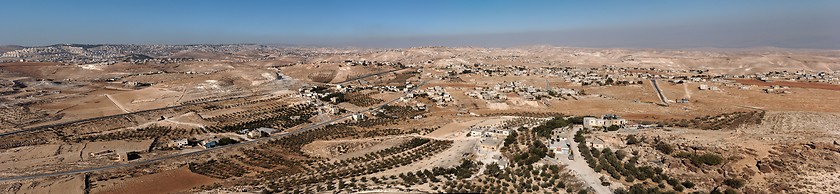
pixel 327 120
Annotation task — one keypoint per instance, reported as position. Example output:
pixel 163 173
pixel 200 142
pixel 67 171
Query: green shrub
pixel 734 182
pixel 730 191
pixel 631 140
pixel 673 182
pixel 664 148
pixel 688 184
pixel 711 159
pixel 227 141
pixel 679 188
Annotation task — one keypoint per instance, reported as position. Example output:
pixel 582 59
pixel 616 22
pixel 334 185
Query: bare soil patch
pixel 171 181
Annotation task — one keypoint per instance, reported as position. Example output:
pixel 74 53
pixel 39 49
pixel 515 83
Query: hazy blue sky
pixel 404 23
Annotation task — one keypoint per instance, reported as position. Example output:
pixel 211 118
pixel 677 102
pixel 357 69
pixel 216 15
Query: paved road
pixel 581 169
pixel 659 91
pixel 142 162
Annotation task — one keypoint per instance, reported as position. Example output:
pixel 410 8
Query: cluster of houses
pixel 87 54
pixel 603 122
pixel 560 143
pixel 488 95
pixel 825 77
pixel 491 136
pixel 317 92
pixel 258 132
pixel 775 89
pixel 707 87
pixel 491 139
pixel 596 78
pixel 559 140
pixel 498 93
pixel 214 141
pixel 437 94
pixel 372 63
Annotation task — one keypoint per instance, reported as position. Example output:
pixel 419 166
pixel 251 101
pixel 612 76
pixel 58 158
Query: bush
pixel 510 138
pixel 579 138
pixel 620 191
pixel 629 178
pixel 711 159
pixel 620 154
pixel 545 129
pixel 707 158
pixel 631 140
pixel 576 120
pixel 679 188
pixel 673 182
pixel 688 184
pixel 664 148
pixel 730 191
pixel 734 182
pixel 227 141
pixel 684 155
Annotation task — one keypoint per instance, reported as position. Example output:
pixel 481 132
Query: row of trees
pixel 545 130
pixel 362 99
pixel 614 164
pixel 722 121
pixel 517 179
pixel 221 169
pixel 319 175
pixel 280 117
pixel 396 131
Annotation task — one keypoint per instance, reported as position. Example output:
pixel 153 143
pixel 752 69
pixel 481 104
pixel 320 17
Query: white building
pixel 606 121
pixel 179 143
pixel 560 147
pixel 596 143
pixel 358 117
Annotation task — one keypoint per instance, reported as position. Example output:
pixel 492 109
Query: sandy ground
pixel 22 158
pixel 70 185
pixel 89 107
pixel 351 147
pixel 146 98
pixel 454 129
pixel 118 104
pixel 176 180
pixel 120 146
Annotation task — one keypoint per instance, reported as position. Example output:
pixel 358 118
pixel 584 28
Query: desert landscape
pixel 536 119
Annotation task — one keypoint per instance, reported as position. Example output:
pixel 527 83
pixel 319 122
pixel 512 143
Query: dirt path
pixel 116 103
pixel 582 170
pixel 182 95
pixel 196 125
